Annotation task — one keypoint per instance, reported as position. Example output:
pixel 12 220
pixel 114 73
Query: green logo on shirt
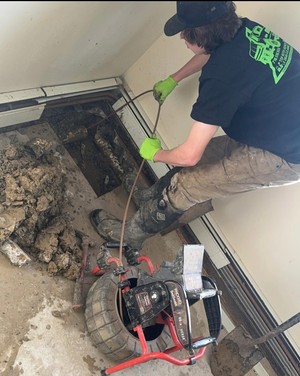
pixel 268 48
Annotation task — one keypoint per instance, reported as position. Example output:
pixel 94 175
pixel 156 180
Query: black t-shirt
pixel 251 88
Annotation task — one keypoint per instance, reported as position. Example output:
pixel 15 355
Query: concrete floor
pixel 40 333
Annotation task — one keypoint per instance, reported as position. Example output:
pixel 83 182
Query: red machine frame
pixel 146 356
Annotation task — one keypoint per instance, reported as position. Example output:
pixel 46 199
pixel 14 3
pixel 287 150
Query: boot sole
pixel 93 222
pixel 94 219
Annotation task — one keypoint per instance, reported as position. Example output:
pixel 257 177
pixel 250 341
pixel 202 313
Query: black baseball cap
pixel 195 14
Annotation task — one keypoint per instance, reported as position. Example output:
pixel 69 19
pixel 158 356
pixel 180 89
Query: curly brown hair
pixel 214 35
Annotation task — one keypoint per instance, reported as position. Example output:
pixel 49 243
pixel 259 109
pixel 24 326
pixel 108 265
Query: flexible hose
pixel 132 189
pixel 126 211
pixel 119 109
pixel 140 169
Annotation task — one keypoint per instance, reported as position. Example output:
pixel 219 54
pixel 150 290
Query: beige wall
pixel 46 43
pixel 260 228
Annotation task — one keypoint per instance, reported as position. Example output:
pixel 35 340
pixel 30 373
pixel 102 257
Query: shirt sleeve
pixel 217 103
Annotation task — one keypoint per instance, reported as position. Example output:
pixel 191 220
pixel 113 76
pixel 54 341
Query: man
pixel 250 87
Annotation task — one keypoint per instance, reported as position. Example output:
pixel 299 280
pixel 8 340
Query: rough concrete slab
pixel 40 333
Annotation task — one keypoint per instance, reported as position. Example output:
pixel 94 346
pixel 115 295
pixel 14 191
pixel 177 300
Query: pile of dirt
pixel 32 193
pixel 32 181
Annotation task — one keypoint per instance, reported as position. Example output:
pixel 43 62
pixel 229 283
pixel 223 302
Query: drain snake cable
pixel 133 186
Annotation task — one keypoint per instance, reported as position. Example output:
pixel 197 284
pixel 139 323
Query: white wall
pixel 46 43
pixel 260 228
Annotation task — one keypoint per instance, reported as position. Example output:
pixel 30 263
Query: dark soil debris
pixel 32 185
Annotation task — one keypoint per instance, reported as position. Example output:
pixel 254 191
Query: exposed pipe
pixel 266 321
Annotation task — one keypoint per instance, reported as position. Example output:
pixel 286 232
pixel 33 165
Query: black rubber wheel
pixel 106 328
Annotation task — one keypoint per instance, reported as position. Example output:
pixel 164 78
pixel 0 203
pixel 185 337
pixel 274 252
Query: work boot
pixel 141 192
pixel 153 217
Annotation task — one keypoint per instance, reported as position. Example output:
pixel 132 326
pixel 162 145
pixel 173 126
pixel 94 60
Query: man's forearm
pixel 177 157
pixel 192 66
pixel 190 152
pixel 172 157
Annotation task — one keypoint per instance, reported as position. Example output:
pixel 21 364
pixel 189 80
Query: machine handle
pixel 204 342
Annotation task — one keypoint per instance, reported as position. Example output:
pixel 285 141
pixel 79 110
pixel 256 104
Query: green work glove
pixel 149 148
pixel 163 88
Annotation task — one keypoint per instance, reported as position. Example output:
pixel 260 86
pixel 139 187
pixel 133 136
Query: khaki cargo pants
pixel 228 168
